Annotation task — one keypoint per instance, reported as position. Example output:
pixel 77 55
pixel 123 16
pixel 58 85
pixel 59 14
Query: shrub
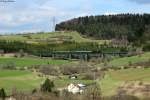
pixel 69 70
pixel 75 69
pixel 9 65
pixel 130 63
pixel 88 76
pixel 34 91
pixel 123 97
pixel 49 70
pixel 93 93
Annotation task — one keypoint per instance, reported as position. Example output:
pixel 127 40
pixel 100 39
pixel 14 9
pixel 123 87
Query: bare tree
pixel 93 92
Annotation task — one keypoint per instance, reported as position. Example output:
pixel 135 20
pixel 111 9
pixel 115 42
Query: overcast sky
pixel 37 15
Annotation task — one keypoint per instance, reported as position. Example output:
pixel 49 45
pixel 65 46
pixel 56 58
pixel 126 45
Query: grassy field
pixel 27 61
pixel 51 37
pixel 8 73
pixel 131 75
pixel 27 81
pixel 133 59
pixel 113 79
pixel 126 60
pixel 22 80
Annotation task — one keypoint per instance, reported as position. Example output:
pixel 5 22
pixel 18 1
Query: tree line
pixel 37 49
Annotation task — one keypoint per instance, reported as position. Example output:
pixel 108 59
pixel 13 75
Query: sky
pixel 24 16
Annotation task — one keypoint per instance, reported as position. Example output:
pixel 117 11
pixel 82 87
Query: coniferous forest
pixel 134 27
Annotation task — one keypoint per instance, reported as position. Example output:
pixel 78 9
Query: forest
pixel 134 27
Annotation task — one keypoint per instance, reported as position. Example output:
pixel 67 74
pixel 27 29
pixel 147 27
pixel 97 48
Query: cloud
pixel 141 1
pixel 36 15
pixel 110 13
pixel 28 14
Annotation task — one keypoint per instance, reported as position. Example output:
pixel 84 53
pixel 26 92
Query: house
pixel 73 77
pixel 121 42
pixel 76 88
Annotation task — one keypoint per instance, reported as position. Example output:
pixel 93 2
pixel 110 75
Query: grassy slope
pixel 125 60
pixel 21 62
pixel 113 79
pixel 133 59
pixel 109 85
pixel 57 36
pixel 22 80
pixel 131 75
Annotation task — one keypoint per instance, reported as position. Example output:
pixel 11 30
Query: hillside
pixel 38 43
pixel 51 37
pixel 133 27
pixel 138 60
pixel 114 79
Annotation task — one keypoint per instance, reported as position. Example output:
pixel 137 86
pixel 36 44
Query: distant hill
pixel 37 43
pixel 134 27
pixel 50 37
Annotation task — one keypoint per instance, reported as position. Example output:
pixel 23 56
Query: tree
pixel 21 53
pixel 2 94
pixel 47 86
pixel 1 52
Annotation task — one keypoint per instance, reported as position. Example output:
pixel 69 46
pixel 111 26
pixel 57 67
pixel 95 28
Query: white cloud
pixel 110 13
pixel 38 11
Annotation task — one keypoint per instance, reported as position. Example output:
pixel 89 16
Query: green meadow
pixel 28 61
pixel 132 59
pixel 118 62
pixel 21 80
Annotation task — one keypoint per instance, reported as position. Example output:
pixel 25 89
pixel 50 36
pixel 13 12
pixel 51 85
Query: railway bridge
pixel 83 55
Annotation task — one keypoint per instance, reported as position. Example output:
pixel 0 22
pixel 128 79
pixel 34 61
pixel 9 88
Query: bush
pixel 123 97
pixel 75 69
pixel 34 91
pixel 9 65
pixel 88 76
pixel 93 93
pixel 104 69
pixel 49 70
pixel 130 63
pixel 69 70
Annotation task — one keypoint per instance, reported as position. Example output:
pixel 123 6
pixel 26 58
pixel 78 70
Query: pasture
pixel 21 80
pixel 118 62
pixel 133 59
pixel 29 61
pixel 114 79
